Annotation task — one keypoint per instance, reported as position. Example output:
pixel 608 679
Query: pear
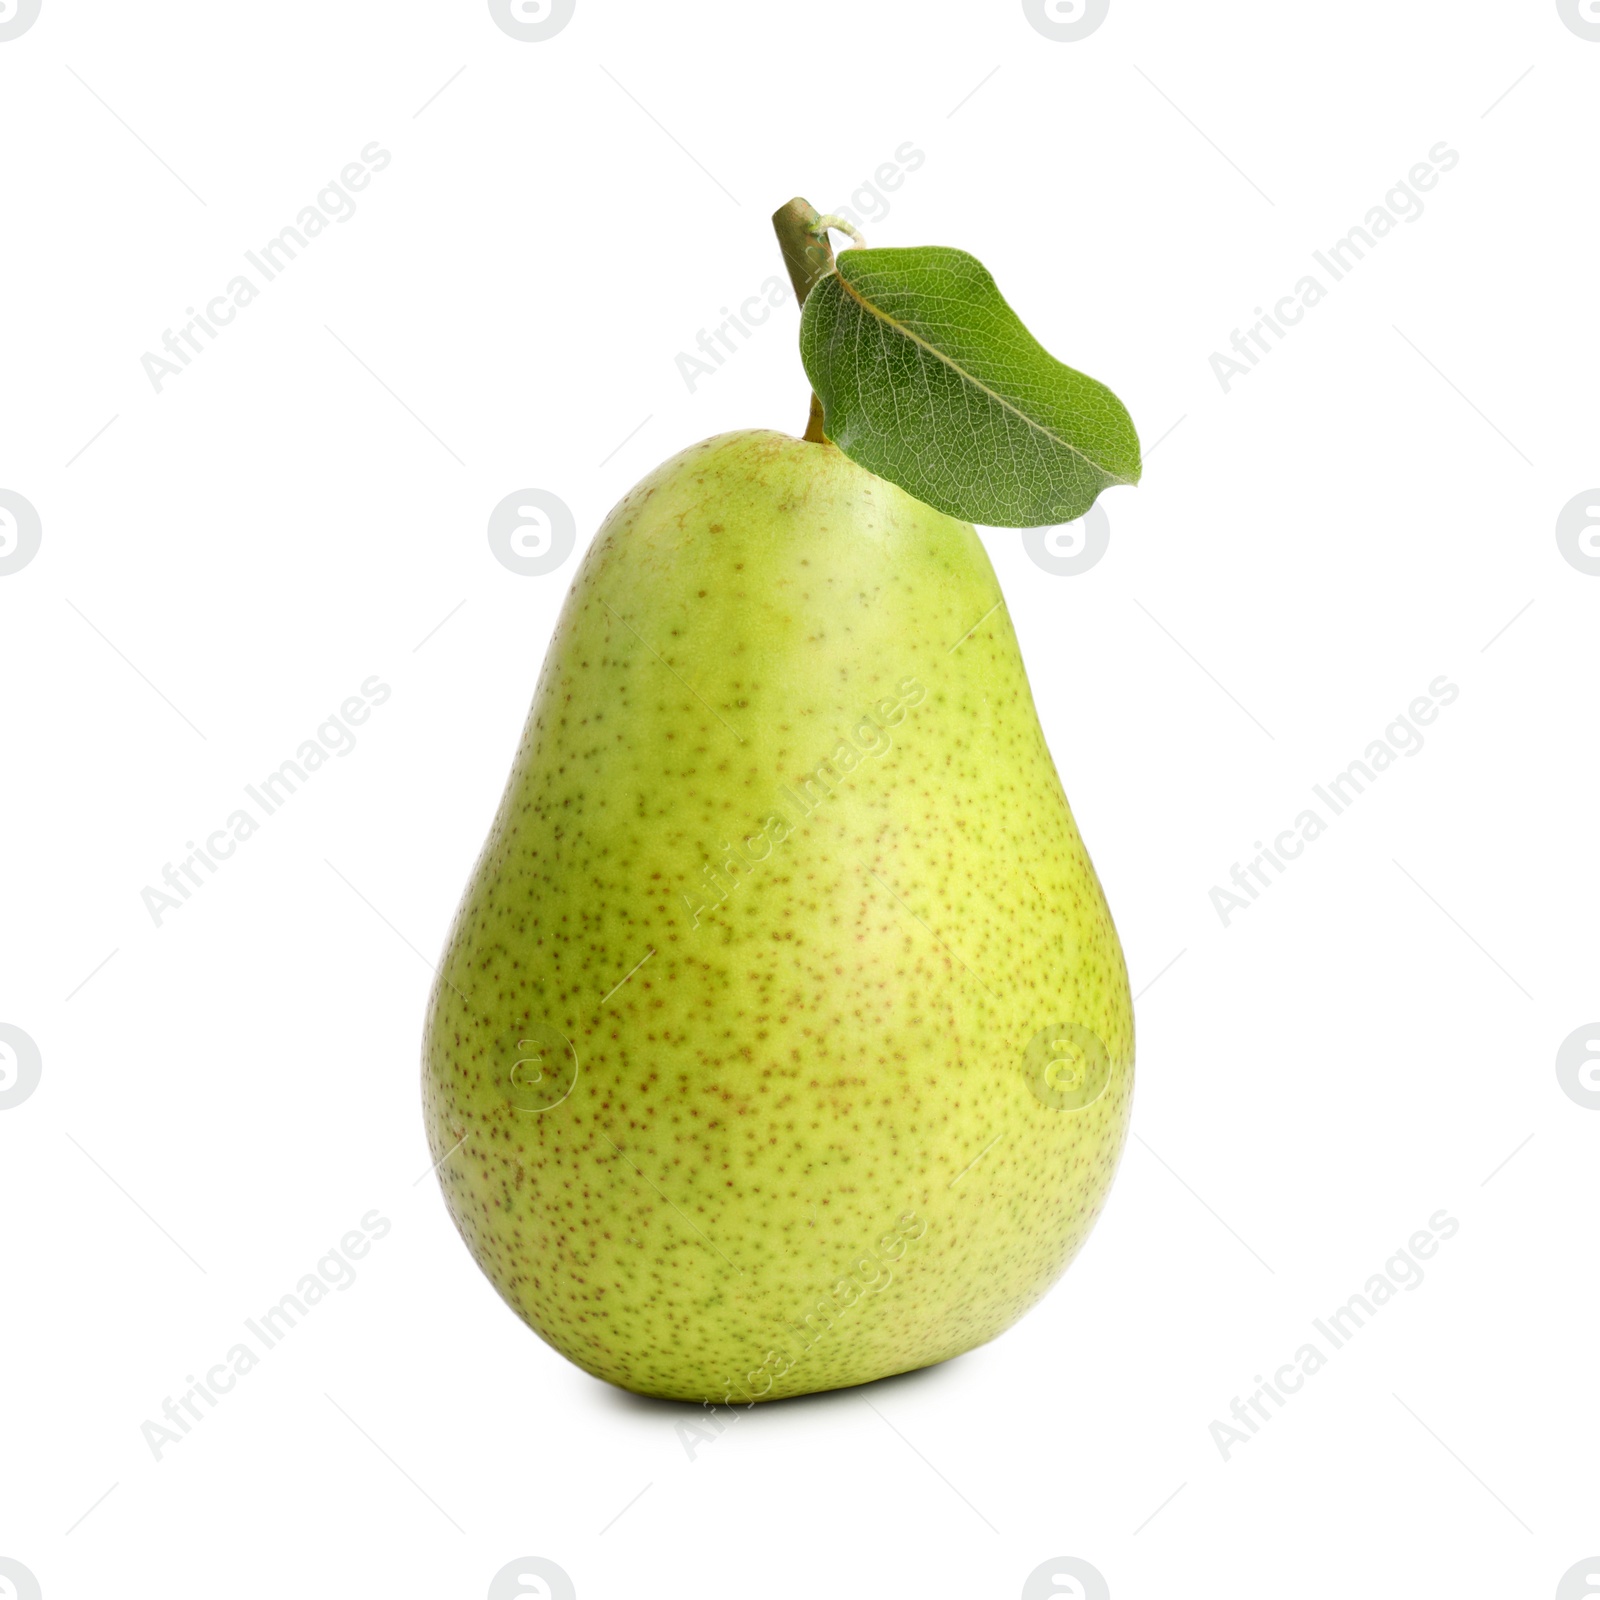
pixel 783 1039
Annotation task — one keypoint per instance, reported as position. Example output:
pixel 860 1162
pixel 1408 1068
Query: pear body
pixel 783 1039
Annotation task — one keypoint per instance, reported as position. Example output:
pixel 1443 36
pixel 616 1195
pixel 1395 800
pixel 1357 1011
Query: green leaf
pixel 929 379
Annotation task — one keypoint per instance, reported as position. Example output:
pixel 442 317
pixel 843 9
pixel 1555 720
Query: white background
pixel 1373 1040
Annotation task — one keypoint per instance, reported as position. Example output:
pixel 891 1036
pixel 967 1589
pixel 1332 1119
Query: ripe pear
pixel 783 1039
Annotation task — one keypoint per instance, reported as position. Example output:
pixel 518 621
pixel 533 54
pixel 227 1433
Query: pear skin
pixel 782 1040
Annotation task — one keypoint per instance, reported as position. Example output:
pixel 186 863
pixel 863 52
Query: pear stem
pixel 803 238
pixel 814 433
pixel 804 242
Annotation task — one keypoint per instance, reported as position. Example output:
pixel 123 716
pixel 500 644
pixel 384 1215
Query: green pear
pixel 783 1039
